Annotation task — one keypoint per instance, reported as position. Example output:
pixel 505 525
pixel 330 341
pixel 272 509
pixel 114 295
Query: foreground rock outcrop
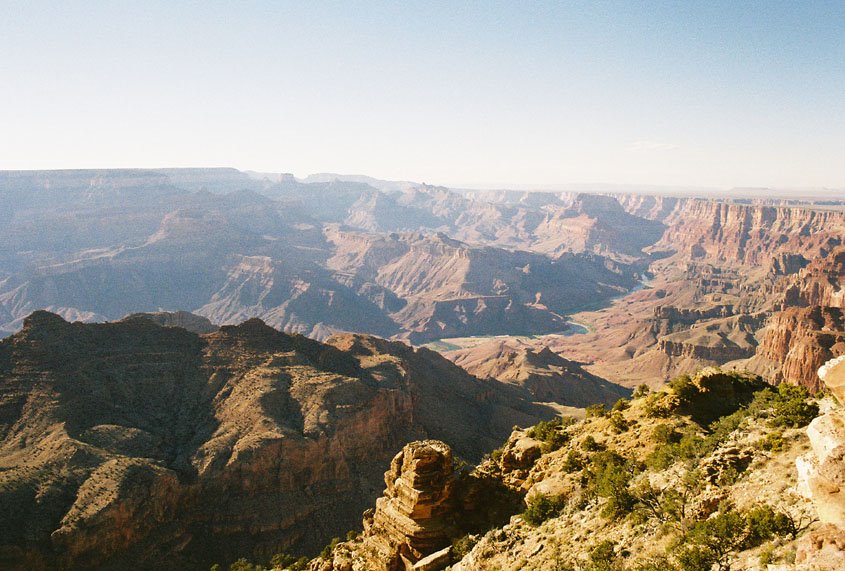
pixel 134 444
pixel 821 474
pixel 413 522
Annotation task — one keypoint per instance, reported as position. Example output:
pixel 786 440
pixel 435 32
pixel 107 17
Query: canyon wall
pixel 133 443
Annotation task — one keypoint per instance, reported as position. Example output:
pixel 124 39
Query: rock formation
pixel 736 233
pixel 821 474
pixel 413 522
pixel 809 328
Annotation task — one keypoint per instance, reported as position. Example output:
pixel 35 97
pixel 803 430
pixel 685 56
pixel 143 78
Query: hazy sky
pixel 711 93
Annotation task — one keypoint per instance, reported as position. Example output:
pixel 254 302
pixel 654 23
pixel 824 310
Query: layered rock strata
pixel 413 521
pixel 821 477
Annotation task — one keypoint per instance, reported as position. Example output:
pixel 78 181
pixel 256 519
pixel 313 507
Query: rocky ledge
pixel 821 477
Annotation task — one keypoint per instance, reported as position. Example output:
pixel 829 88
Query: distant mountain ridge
pixel 228 245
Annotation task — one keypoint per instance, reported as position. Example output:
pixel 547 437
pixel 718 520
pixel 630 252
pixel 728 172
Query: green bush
pixel 669 504
pixel 462 545
pixel 660 405
pixel 326 553
pixel 766 555
pixel 773 442
pixel 603 556
pixel 621 405
pixel 596 410
pixel 618 422
pixel 291 562
pixel 689 446
pixel 496 454
pixel 665 434
pixel 641 391
pixel 589 444
pixel 683 388
pixel 552 433
pixel 608 476
pixel 696 558
pixel 241 565
pixel 540 507
pixel 573 462
pixel 791 407
pixel 711 541
pixel 764 523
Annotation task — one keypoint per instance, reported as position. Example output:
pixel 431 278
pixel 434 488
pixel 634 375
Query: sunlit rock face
pixel 821 475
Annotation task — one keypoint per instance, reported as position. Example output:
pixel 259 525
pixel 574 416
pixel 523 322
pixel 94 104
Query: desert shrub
pixel 573 462
pixel 660 405
pixel 589 444
pixel 602 556
pixel 641 391
pixel 608 476
pixel 621 405
pixel 618 422
pixel 764 523
pixel 773 442
pixel 542 430
pixel 689 446
pixel 552 433
pixel 241 565
pixel 766 555
pixel 662 457
pixel 695 557
pixel 540 507
pixel 596 410
pixel 496 454
pixel 326 553
pixel 711 541
pixel 462 545
pixel 287 561
pixel 555 442
pixel 669 504
pixel 459 464
pixel 683 388
pixel 791 407
pixel 665 434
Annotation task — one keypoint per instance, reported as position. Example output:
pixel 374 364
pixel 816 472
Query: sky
pixel 710 93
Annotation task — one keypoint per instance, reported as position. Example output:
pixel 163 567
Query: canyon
pixel 199 365
pixel 663 284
